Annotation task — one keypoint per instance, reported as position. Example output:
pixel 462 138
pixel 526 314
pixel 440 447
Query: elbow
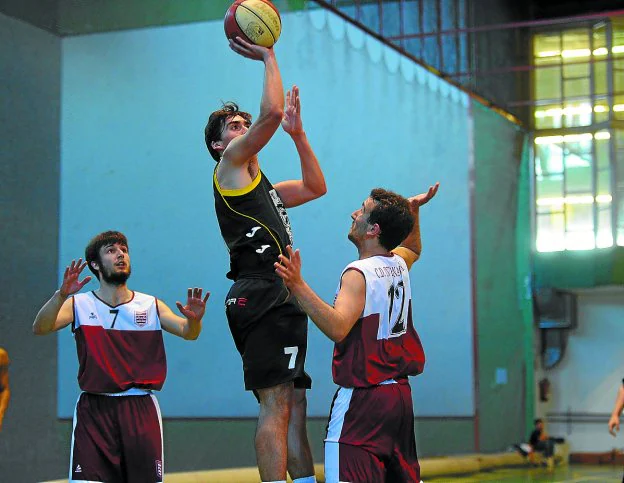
pixel 322 190
pixel 338 336
pixel 315 192
pixel 37 330
pixel 273 115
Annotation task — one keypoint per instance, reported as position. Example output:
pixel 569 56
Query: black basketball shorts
pixel 270 332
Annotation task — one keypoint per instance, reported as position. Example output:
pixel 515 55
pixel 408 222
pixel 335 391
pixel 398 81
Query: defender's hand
pixel 195 305
pixel 71 284
pixel 423 198
pixel 289 268
pixel 291 122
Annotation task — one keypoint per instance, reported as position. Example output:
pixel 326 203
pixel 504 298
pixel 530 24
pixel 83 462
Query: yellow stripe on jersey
pixel 406 254
pixel 223 194
pixel 238 191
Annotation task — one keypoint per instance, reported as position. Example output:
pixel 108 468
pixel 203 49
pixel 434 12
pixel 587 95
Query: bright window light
pixel 580 241
pixel 549 140
pixel 548 53
pixel 572 53
pixel 572 138
pixel 555 242
pixel 604 240
pixel 575 109
pixel 568 54
pixel 604 198
pixel 550 242
pixel 573 200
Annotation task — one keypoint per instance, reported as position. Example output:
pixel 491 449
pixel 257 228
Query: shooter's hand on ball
pixel 291 122
pixel 71 284
pixel 251 51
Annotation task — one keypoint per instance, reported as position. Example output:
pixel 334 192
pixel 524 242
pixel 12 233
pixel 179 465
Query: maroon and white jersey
pixel 119 347
pixel 383 343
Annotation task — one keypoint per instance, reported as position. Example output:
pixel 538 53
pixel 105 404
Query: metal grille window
pixel 578 109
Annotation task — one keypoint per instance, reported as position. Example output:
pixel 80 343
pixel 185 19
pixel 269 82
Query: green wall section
pixel 78 17
pixel 501 302
pixel 580 269
pixel 524 242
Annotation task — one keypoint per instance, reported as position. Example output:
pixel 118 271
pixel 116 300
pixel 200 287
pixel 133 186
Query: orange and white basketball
pixel 257 21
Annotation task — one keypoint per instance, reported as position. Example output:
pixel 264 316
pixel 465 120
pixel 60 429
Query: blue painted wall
pixel 133 158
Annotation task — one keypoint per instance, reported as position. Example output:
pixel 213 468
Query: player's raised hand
pixel 614 425
pixel 291 121
pixel 71 284
pixel 195 305
pixel 251 51
pixel 423 198
pixel 289 268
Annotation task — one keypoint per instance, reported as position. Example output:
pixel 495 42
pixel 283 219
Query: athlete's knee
pixel 276 401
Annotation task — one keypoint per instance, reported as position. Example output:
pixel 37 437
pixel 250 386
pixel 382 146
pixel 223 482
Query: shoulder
pixel 142 298
pixel 81 297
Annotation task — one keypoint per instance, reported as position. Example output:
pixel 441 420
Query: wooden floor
pixel 566 474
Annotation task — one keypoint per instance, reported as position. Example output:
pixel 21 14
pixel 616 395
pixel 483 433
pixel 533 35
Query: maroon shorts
pixel 117 439
pixel 370 436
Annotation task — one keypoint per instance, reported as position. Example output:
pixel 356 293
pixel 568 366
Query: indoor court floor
pixel 568 474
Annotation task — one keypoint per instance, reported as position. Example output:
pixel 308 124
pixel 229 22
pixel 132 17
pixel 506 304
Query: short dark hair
pixel 216 123
pixel 92 252
pixel 537 421
pixel 393 215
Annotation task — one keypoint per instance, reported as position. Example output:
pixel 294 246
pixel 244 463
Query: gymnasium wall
pixel 586 381
pixel 30 63
pixel 133 158
pixel 131 144
pixel 503 301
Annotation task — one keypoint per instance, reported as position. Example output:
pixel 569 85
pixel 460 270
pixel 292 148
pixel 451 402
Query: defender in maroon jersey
pixel 370 435
pixel 117 433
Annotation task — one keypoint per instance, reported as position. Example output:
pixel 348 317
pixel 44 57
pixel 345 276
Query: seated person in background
pixel 614 421
pixel 540 442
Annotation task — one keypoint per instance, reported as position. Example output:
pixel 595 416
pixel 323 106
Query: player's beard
pixel 353 235
pixel 115 278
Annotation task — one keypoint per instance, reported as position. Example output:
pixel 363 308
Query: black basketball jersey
pixel 254 225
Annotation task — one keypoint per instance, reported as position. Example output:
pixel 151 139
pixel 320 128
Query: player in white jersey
pixel 117 434
pixel 370 435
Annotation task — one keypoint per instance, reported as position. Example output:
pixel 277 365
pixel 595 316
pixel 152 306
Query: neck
pixel 114 294
pixel 371 248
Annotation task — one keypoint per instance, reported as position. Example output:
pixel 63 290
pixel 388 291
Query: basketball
pixel 256 21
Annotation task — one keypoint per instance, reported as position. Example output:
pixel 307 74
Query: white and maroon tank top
pixel 119 347
pixel 383 343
